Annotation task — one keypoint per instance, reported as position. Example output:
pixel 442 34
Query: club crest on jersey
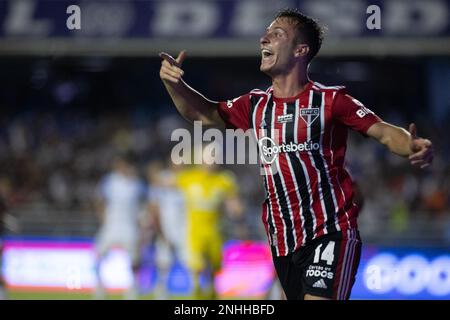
pixel 285 118
pixel 309 115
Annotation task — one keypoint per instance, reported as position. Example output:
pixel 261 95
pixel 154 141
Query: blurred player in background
pixel 208 191
pixel 7 222
pixel 309 213
pixel 120 203
pixel 167 214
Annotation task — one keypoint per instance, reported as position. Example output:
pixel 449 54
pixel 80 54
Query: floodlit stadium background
pixel 71 98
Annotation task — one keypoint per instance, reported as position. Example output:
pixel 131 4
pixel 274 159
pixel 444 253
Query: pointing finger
pixel 181 57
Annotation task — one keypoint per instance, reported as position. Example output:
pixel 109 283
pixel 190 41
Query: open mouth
pixel 266 53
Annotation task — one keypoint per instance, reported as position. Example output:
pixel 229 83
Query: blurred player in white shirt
pixel 166 207
pixel 121 198
pixel 7 222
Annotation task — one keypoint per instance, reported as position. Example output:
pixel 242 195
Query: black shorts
pixel 326 267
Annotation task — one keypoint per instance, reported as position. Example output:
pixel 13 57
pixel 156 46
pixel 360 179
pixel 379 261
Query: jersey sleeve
pixel 353 114
pixel 236 113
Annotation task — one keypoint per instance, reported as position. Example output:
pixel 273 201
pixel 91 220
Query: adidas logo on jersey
pixel 320 284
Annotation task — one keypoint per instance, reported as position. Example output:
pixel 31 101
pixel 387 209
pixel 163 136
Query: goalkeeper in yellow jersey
pixel 208 191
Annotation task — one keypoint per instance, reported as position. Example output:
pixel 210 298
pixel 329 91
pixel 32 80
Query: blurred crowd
pixel 60 128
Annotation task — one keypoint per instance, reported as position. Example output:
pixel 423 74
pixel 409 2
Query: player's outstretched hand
pixel 171 68
pixel 422 155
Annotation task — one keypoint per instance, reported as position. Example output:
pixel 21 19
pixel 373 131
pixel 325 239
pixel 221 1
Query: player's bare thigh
pixel 311 297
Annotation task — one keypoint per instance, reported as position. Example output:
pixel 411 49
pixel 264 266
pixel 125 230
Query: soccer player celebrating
pixel 309 213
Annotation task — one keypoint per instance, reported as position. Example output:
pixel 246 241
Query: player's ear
pixel 301 50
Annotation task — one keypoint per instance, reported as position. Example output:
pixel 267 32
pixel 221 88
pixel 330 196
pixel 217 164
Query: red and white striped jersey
pixel 302 141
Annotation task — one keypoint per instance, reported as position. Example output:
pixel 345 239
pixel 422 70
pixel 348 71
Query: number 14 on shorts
pixel 327 254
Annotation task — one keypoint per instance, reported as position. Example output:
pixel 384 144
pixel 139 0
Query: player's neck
pixel 290 84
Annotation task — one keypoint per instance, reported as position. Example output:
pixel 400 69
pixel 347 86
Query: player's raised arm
pixel 191 104
pixel 403 143
pixel 355 115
